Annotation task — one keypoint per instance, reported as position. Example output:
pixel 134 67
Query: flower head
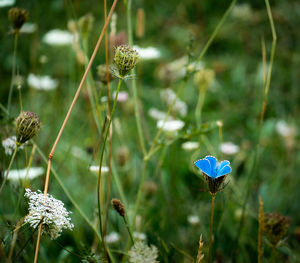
pixel 42 82
pixel 275 227
pixel 18 17
pixel 118 206
pixel 140 252
pixel 57 37
pixel 229 148
pixel 26 173
pixel 54 215
pixel 27 126
pixel 9 145
pixel 213 172
pixel 125 59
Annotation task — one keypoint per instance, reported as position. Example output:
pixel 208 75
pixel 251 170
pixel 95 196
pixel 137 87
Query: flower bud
pixel 118 206
pixel 18 17
pixel 85 24
pixel 125 59
pixel 101 71
pixel 27 126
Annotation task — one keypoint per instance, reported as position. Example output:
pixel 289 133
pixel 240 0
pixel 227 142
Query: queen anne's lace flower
pixel 9 145
pixel 140 252
pixel 52 211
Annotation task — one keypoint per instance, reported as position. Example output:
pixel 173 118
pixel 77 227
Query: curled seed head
pixel 125 59
pixel 27 126
pixel 18 17
pixel 118 206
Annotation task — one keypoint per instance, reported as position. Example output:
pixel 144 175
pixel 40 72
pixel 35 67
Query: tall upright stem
pixel 211 227
pixel 100 166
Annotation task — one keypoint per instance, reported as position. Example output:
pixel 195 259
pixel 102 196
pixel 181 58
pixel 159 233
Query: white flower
pixel 95 168
pixel 157 114
pixel 9 145
pixel 52 211
pixel 139 236
pixel 41 82
pixel 148 52
pixel 140 252
pixel 21 174
pixel 112 237
pixel 170 125
pixel 193 219
pixel 28 28
pixel 284 129
pixel 122 96
pixel 4 3
pixel 168 96
pixel 57 37
pixel 190 146
pixel 229 148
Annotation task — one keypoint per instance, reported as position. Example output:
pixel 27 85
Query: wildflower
pixel 140 252
pixel 125 59
pixel 179 106
pixel 170 125
pixel 18 17
pixel 51 211
pixel 139 236
pixel 118 206
pixel 193 219
pixel 42 82
pixel 190 146
pixel 9 145
pixel 26 173
pixel 28 28
pixel 112 237
pixel 229 148
pixel 95 168
pixel 4 3
pixel 57 37
pixel 27 126
pixel 204 78
pixel 213 172
pixel 284 129
pixel 157 114
pixel 122 96
pixel 148 52
pixel 275 227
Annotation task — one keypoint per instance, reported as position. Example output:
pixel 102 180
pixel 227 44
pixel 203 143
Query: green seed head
pixel 125 59
pixel 86 24
pixel 27 126
pixel 18 17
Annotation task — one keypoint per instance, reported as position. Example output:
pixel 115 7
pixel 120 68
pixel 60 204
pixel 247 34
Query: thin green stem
pixel 13 74
pixel 100 166
pixel 128 229
pixel 8 169
pixel 20 97
pixel 211 227
pixel 216 31
pixel 200 102
pixel 134 86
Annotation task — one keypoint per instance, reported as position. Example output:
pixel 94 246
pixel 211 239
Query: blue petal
pixel 213 162
pixel 223 171
pixel 222 164
pixel 204 166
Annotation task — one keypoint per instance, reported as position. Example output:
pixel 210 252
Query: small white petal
pixel 42 82
pixel 171 125
pixel 21 174
pixel 148 52
pixel 229 148
pixel 190 146
pixel 193 219
pixel 112 237
pixel 57 37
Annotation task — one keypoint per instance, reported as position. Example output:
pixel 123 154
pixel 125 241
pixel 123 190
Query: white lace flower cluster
pixel 54 214
pixel 140 252
pixel 9 145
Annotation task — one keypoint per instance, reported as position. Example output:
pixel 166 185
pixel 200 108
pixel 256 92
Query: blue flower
pixel 210 166
pixel 214 172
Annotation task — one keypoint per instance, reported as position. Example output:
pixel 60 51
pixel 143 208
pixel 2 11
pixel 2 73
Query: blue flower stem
pixel 8 169
pixel 211 227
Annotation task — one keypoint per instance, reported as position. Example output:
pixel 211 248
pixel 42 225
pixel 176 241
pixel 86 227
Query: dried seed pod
pixel 18 17
pixel 118 206
pixel 27 126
